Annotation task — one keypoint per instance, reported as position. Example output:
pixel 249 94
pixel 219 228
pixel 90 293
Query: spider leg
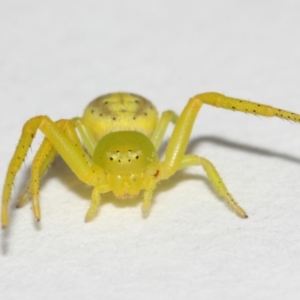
pixel 222 101
pixel 71 152
pixel 183 127
pixel 92 211
pixel 86 136
pixel 176 148
pixel 147 200
pixel 179 139
pixel 161 127
pixel 215 179
pixel 42 160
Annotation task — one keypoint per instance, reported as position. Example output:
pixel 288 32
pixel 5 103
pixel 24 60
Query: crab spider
pixel 113 147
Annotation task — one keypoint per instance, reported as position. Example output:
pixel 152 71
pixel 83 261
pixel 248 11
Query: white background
pixel 56 56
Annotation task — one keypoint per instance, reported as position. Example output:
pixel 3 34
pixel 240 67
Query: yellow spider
pixel 113 147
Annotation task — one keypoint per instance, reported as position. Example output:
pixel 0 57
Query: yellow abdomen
pixel 120 112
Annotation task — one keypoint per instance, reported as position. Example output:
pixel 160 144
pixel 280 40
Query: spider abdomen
pixel 120 112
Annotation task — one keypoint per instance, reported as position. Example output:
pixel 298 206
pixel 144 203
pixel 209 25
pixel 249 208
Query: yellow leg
pixel 160 130
pixel 147 200
pixel 86 135
pixel 183 127
pixel 42 160
pixel 14 166
pixel 92 211
pixel 222 101
pixel 71 152
pixel 215 179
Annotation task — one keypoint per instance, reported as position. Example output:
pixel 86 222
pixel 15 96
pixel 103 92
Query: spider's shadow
pixel 225 143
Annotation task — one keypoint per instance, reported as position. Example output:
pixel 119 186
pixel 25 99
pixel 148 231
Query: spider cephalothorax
pixel 129 161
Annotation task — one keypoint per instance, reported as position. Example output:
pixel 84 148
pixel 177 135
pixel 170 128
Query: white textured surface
pixel 55 56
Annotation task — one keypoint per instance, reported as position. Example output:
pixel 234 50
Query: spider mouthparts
pixel 127 196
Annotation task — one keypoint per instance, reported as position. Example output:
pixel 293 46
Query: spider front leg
pixel 178 142
pixel 235 104
pixel 70 150
pixel 41 162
